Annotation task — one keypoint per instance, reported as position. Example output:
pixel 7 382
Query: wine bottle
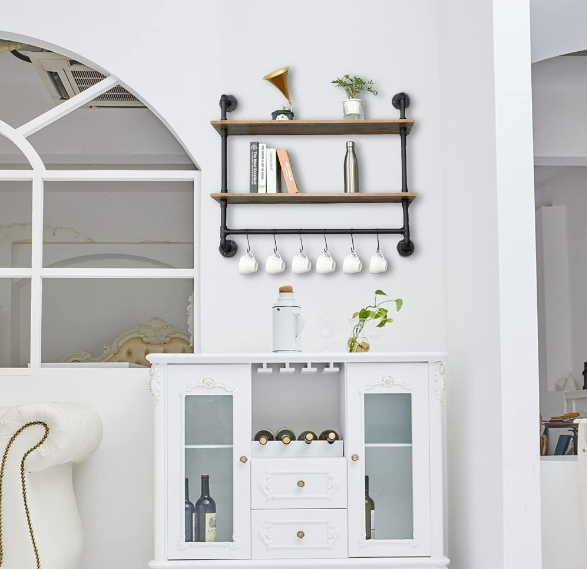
pixel 189 514
pixel 285 436
pixel 264 436
pixel 329 435
pixel 308 437
pixel 369 512
pixel 205 513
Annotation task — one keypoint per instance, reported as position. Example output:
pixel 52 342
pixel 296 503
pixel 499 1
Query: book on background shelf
pixel 262 168
pixel 254 169
pixel 273 172
pixel 286 169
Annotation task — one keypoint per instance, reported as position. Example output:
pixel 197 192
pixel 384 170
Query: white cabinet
pixel 278 504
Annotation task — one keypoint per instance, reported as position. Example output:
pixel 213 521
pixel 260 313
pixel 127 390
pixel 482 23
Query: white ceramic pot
pixel 353 109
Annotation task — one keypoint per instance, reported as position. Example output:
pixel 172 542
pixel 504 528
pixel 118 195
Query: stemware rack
pixel 401 127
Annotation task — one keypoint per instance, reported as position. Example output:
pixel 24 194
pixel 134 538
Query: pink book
pixel 290 181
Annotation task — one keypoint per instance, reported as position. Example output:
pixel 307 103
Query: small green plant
pixel 354 86
pixel 372 312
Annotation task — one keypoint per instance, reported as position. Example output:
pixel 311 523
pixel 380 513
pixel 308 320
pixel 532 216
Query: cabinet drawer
pixel 299 534
pixel 299 483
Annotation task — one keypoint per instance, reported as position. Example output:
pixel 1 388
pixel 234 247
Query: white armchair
pixel 40 527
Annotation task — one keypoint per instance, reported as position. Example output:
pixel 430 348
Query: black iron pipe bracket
pixel 228 247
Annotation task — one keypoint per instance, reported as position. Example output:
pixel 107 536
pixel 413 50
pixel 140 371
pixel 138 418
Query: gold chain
pixel 23 484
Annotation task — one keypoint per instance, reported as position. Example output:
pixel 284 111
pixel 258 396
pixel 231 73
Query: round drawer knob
pixel 355 457
pixel 301 483
pixel 243 459
pixel 301 534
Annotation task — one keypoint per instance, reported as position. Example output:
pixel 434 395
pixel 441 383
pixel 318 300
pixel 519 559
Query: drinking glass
pixel 326 330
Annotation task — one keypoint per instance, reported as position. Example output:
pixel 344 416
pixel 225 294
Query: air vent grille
pixel 87 78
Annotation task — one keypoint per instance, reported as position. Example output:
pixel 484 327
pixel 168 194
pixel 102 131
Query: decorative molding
pixel 156 383
pixel 386 381
pixel 208 383
pixel 233 545
pixel 439 381
pixel 265 533
pixel 156 332
pixel 266 485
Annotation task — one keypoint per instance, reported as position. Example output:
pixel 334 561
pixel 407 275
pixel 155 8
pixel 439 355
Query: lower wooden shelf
pixel 303 198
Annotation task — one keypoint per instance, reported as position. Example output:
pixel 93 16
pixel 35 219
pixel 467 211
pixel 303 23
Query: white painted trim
pixel 120 175
pixel 16 273
pixel 67 107
pixel 16 175
pixel 197 304
pixel 297 358
pixel 23 145
pixel 117 273
pixel 36 264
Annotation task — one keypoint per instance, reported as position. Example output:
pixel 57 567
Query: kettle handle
pixel 300 321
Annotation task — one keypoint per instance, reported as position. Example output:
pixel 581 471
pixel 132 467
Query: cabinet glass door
pixel 388 447
pixel 209 494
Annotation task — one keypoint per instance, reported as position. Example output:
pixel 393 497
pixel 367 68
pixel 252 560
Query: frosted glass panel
pixel 208 420
pixel 217 464
pixel 390 486
pixel 388 418
pixel 209 454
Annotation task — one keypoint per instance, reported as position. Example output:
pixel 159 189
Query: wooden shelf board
pixel 320 127
pixel 302 198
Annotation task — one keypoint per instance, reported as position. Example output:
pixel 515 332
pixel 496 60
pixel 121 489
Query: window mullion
pixel 37 265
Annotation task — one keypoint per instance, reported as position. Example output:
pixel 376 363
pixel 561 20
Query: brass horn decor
pixel 279 79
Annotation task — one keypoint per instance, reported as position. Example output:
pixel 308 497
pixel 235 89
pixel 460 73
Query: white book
pixel 262 168
pixel 273 174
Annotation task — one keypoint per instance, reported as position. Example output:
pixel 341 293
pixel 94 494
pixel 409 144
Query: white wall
pixel 491 329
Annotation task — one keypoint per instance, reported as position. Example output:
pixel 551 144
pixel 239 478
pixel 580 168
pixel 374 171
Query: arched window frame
pixel 38 175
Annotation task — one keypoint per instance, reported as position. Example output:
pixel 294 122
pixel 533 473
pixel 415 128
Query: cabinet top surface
pixel 297 357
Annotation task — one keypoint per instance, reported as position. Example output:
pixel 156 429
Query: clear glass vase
pixel 358 341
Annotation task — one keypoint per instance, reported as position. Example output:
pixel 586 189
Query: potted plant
pixel 352 107
pixel 375 312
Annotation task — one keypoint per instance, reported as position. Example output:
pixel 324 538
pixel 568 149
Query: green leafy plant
pixel 375 312
pixel 354 86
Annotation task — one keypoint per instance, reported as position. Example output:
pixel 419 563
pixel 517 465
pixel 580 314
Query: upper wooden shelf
pixel 301 198
pixel 366 126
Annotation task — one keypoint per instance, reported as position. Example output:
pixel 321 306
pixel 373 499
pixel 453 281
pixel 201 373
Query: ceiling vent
pixel 65 78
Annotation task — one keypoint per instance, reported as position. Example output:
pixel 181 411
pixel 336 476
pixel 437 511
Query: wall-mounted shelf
pixel 401 127
pixel 319 127
pixel 245 198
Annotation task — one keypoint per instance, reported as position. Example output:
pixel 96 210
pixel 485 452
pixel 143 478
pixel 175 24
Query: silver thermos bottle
pixel 351 169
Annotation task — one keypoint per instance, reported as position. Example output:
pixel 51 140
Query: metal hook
pixel 378 251
pixel 352 243
pixel 325 242
pixel 275 241
pixel 301 243
pixel 248 244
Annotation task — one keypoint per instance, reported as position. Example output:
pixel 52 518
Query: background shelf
pixel 302 198
pixel 320 127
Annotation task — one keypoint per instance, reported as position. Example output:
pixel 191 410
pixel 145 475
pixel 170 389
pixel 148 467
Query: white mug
pixel 301 264
pixel 247 264
pixel 325 263
pixel 352 264
pixel 275 264
pixel 378 263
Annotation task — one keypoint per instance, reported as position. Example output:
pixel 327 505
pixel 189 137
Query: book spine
pixel 262 168
pixel 272 171
pixel 254 170
pixel 288 175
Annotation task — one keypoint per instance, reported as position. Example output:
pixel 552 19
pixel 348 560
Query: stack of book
pixel 267 165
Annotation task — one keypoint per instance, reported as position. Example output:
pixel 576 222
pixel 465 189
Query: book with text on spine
pixel 254 169
pixel 273 172
pixel 262 168
pixel 286 169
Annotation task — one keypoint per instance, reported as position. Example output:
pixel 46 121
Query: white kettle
pixel 287 322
